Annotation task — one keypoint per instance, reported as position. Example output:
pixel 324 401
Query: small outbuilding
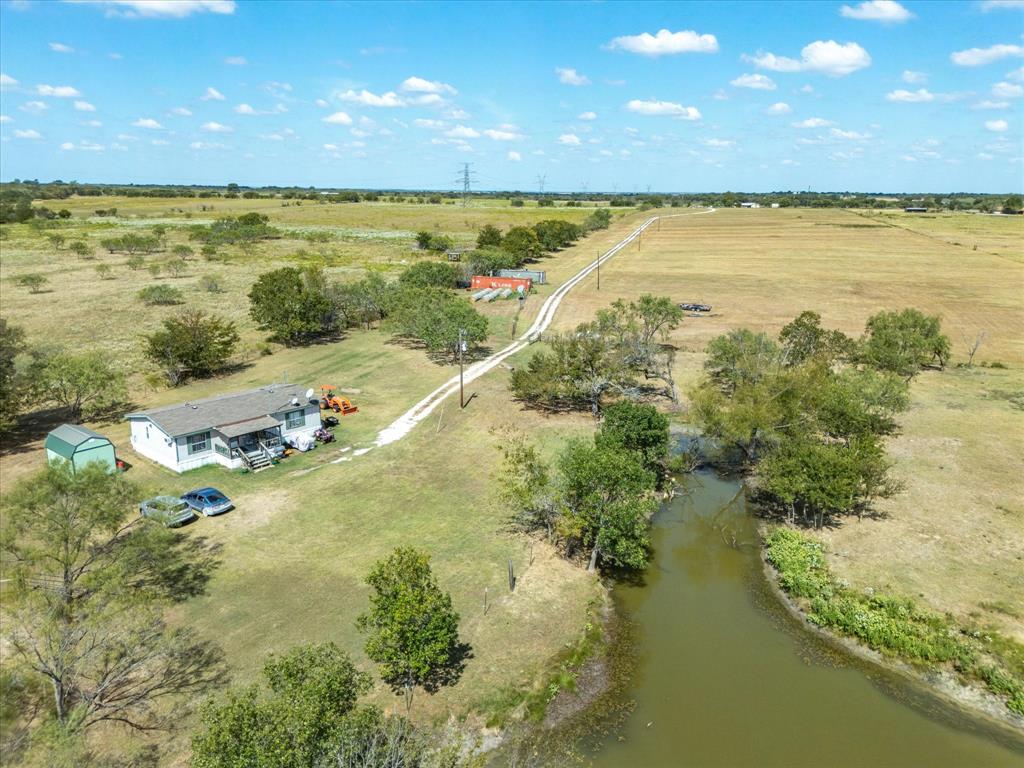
pixel 80 446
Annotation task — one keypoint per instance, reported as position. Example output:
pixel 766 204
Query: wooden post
pixel 511 576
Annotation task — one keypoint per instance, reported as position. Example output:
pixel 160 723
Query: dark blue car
pixel 207 501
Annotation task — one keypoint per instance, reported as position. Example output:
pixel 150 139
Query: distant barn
pixel 79 446
pixel 915 209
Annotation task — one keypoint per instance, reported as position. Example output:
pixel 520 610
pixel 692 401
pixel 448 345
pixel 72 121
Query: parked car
pixel 207 501
pixel 170 510
pixel 696 307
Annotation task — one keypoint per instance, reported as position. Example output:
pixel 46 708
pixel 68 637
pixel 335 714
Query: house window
pixel 294 420
pixel 198 443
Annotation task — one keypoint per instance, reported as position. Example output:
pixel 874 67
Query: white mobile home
pixel 236 430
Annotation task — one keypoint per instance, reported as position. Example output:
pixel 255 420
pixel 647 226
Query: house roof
pixel 67 437
pixel 224 410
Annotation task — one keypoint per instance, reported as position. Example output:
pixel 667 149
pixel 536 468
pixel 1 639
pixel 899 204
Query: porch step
pixel 258 461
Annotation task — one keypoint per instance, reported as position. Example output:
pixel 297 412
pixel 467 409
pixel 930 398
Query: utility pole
pixel 462 348
pixel 466 178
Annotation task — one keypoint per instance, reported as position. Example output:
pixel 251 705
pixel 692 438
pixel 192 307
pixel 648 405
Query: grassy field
pixel 955 537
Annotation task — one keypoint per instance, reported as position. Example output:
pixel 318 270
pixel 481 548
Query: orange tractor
pixel 333 402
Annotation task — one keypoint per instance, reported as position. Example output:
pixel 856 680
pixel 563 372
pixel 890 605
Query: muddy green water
pixel 726 677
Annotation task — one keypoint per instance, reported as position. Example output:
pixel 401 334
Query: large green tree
pixel 191 345
pixel 412 629
pixel 607 504
pixel 292 303
pixel 904 342
pixel 85 384
pixel 639 428
pixel 89 581
pixel 12 344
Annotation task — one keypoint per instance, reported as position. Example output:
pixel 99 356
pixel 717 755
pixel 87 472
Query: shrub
pixel 160 294
pixel 212 283
pixel 33 281
pixel 430 274
pixel 516 202
pixel 104 271
pixel 136 262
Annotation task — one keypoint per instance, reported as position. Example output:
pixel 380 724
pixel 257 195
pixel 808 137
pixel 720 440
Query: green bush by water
pixel 895 626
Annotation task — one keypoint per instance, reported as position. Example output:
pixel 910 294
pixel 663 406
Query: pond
pixel 725 676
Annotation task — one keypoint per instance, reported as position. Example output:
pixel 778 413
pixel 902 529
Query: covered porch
pixel 253 443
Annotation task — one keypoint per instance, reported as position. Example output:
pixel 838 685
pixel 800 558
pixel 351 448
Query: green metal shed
pixel 80 446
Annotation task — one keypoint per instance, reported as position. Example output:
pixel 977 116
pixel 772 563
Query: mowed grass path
pixel 954 538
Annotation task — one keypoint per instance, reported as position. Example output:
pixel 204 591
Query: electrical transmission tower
pixel 466 178
pixel 540 182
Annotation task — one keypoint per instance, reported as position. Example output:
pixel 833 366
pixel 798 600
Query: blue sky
pixel 865 96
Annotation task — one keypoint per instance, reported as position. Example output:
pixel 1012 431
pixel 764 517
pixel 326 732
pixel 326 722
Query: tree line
pixel 808 412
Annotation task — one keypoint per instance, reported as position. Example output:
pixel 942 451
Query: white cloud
pixel 127 137
pixel 720 95
pixel 245 109
pixel 61 48
pixel 421 122
pixel 338 118
pixel 571 77
pixel 462 132
pixel 587 116
pixel 321 103
pixel 6 81
pixel 757 82
pixel 920 95
pixel 885 11
pixel 427 100
pixel 502 135
pixel 812 122
pixel 93 123
pixel 154 9
pixel 826 57
pixel 654 107
pixel 331 147
pixel 159 142
pixel 421 85
pixel 115 56
pixel 85 146
pixel 515 157
pixel 718 143
pixel 665 43
pixel 147 122
pixel 996 5
pixel 236 61
pixel 389 99
pixel 181 111
pixel 779 108
pixel 214 127
pixel 28 134
pixel 997 125
pixel 1004 90
pixel 212 94
pixel 1017 74
pixel 6 119
pixel 84 106
pixel 569 139
pixel 849 135
pixel 58 91
pixel 977 57
pixel 913 78
pixel 458 114
pixel 33 107
pixel 991 105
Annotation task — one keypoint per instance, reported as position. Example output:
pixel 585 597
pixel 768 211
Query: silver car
pixel 170 510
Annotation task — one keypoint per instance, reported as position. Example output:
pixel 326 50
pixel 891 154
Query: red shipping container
pixel 515 283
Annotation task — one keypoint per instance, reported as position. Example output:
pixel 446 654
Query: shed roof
pixel 223 410
pixel 67 437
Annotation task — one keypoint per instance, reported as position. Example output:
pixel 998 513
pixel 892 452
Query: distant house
pixel 750 205
pixel 79 446
pixel 236 430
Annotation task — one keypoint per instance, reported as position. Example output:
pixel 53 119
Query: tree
pixel 56 240
pixel 33 281
pixel 104 272
pixel 804 338
pixel 89 581
pixel 413 631
pixel 553 234
pixel 423 238
pixel 606 504
pixel 292 303
pixel 904 342
pixel 80 248
pixel 436 318
pixel 191 345
pixel 363 303
pixel 1013 204
pixel 175 267
pixel 527 485
pixel 12 344
pixel 488 237
pixel 430 274
pixel 522 242
pixel 85 384
pixel 161 294
pixel 305 715
pixel 182 252
pixel 638 428
pixel 740 357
